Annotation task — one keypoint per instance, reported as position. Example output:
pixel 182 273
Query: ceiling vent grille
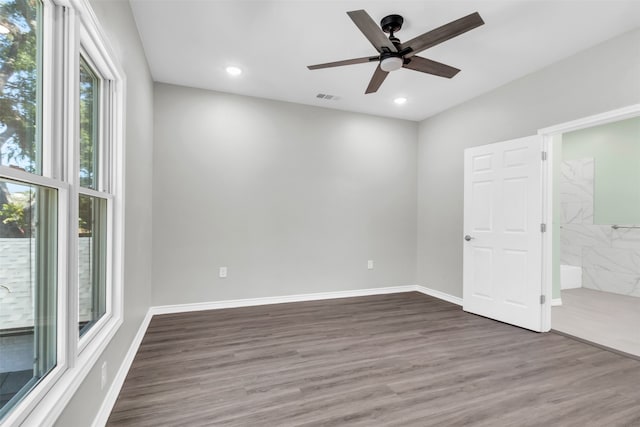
pixel 328 97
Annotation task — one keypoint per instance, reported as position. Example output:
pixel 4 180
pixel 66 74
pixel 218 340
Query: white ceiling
pixel 189 42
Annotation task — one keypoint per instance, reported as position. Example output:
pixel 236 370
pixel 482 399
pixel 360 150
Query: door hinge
pixel 544 156
pixel 543 228
pixel 543 299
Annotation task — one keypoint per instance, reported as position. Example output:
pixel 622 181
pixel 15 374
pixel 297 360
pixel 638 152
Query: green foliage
pixel 88 113
pixel 13 213
pixel 85 217
pixel 19 108
pixel 17 213
pixel 19 82
pixel 20 93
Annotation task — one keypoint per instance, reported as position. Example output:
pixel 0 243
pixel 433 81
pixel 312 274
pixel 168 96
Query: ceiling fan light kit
pixel 393 55
pixel 391 63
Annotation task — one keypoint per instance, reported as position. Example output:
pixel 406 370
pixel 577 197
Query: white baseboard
pixel 249 302
pixel 116 385
pixel 555 302
pixel 439 294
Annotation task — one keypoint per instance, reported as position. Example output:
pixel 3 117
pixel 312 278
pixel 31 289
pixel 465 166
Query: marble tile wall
pixel 610 259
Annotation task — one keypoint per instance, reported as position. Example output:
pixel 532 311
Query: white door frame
pixel 547 191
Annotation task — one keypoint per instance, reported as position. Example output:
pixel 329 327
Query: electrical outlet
pixel 103 376
pixel 223 272
pixel 370 264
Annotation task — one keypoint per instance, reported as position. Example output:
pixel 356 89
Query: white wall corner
pixel 116 385
pixel 439 294
pixel 555 302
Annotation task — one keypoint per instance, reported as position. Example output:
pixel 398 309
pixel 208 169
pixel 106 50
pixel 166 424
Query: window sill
pixel 46 410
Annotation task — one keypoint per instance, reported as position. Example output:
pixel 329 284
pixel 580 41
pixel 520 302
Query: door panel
pixel 516 157
pixel 482 271
pixel 515 274
pixel 482 195
pixel 515 210
pixel 502 216
pixel 482 163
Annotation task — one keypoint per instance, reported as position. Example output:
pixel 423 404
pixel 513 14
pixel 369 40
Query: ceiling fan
pixel 394 55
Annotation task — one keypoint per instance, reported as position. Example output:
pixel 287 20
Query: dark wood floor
pixel 401 359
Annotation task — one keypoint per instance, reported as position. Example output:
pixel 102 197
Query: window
pixel 92 210
pixel 28 285
pixel 89 124
pixel 20 82
pixel 92 260
pixel 60 158
pixel 27 212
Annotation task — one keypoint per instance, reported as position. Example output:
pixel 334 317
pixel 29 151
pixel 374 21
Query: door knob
pixel 468 238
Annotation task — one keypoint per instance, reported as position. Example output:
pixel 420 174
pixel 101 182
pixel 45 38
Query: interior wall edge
pixel 439 294
pixel 118 381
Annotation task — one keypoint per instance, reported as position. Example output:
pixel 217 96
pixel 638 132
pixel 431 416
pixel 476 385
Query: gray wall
pixel 599 79
pixel 292 199
pixel 118 23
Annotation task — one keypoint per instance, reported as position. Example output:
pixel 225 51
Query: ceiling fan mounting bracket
pixel 391 24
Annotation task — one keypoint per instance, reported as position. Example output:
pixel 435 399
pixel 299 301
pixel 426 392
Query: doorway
pixel 593 248
pixel 488 236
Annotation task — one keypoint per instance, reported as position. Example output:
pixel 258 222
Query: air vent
pixel 328 97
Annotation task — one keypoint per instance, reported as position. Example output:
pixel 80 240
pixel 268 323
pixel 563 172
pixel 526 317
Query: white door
pixel 502 231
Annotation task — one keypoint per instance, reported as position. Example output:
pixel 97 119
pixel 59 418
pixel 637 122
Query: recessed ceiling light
pixel 400 100
pixel 3 29
pixel 233 71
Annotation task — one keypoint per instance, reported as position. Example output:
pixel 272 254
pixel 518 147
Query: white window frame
pixel 45 385
pixel 69 29
pixel 97 59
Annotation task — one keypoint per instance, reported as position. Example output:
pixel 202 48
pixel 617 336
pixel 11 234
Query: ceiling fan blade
pixel 441 34
pixel 418 63
pixel 345 62
pixel 378 77
pixel 371 30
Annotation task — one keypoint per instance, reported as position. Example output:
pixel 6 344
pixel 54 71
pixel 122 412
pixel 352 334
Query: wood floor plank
pixel 400 359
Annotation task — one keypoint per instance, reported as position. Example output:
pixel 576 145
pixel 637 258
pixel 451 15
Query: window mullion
pixel 55 98
pixel 102 138
pixel 49 43
pixel 71 169
pixel 94 193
